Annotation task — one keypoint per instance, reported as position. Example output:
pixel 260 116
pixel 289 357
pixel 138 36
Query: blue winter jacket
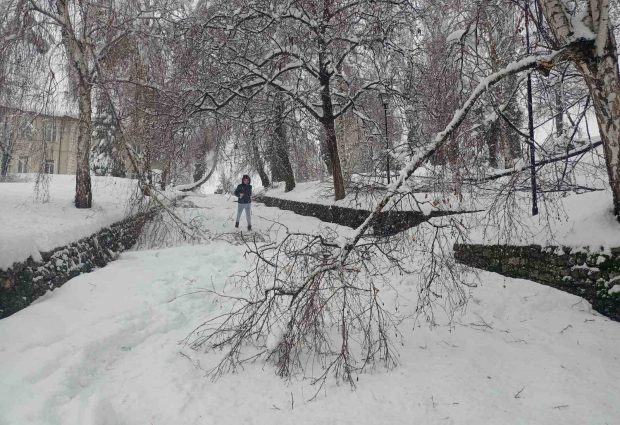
pixel 246 189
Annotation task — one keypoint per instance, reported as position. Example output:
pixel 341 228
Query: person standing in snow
pixel 244 193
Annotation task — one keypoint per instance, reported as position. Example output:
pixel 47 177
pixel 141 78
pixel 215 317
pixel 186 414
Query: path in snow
pixel 104 349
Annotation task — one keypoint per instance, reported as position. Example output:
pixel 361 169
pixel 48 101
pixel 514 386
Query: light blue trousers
pixel 248 212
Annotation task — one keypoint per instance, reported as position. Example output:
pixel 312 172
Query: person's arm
pixel 238 191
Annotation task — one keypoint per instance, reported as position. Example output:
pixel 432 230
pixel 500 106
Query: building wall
pixel 351 143
pixel 47 139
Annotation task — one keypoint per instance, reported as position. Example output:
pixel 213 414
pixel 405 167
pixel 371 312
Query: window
pixel 22 164
pixel 49 131
pixel 49 166
pixel 25 127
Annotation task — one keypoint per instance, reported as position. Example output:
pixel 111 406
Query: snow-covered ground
pixel 106 349
pixel 575 220
pixel 584 220
pixel 29 226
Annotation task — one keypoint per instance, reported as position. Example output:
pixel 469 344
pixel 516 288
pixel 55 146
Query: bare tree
pixel 281 169
pixel 299 48
pixel 92 33
pixel 320 293
pixel 74 22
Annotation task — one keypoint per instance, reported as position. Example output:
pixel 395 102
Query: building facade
pixel 34 142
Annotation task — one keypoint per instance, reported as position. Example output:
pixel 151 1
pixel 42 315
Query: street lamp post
pixel 384 100
pixel 530 116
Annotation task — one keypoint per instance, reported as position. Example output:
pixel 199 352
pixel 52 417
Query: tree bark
pixel 324 150
pixel 328 120
pixel 597 61
pixel 604 85
pixel 282 160
pixel 4 165
pixel 332 146
pixel 79 62
pixel 259 164
pixel 559 109
pixel 331 141
pixel 83 192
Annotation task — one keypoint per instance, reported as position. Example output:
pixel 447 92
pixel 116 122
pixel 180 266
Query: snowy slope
pixel 575 220
pixel 105 349
pixel 28 227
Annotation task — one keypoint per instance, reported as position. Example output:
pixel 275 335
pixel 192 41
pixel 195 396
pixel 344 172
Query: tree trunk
pixel 328 122
pixel 280 162
pixel 165 175
pixel 259 164
pixel 83 192
pixel 324 150
pixel 4 165
pixel 330 138
pixel 604 86
pixel 559 109
pixel 79 62
pixel 597 61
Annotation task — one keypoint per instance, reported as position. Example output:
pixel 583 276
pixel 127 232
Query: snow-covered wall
pixel 24 282
pixel 593 274
pixel 388 222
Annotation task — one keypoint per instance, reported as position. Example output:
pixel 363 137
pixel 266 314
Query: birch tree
pixel 92 33
pixel 595 56
pixel 74 21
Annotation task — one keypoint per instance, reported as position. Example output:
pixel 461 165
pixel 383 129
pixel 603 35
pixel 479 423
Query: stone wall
pixel 593 274
pixel 388 223
pixel 24 282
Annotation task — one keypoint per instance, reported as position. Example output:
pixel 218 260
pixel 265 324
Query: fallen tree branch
pixel 514 170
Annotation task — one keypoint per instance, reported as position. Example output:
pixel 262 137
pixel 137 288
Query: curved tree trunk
pixel 206 173
pixel 597 61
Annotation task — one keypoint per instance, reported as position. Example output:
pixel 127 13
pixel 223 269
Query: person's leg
pixel 239 209
pixel 248 215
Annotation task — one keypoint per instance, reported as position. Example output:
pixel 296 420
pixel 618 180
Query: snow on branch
pixel 548 160
pixel 440 139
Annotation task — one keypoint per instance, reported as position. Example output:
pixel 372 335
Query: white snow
pixel 579 27
pixel 322 193
pixel 456 35
pixel 105 349
pixel 28 227
pixel 574 221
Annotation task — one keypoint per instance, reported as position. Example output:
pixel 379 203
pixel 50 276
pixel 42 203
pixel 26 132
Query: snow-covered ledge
pixel 591 273
pixel 24 282
pixel 388 222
